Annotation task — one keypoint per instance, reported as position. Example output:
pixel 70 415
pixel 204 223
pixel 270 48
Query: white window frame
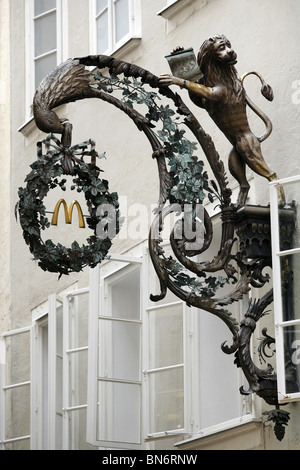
pixel 174 7
pixel 47 314
pixel 134 26
pixel 95 302
pixel 188 332
pixel 67 352
pixel 6 387
pixel 61 40
pixel 186 429
pixel 280 324
pixel 190 357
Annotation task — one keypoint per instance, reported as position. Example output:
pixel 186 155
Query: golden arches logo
pixel 68 213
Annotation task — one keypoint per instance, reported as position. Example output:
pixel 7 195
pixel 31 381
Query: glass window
pixel 166 368
pixel 112 24
pixel 166 400
pixel 115 360
pixel 75 368
pixel 121 19
pixel 119 412
pixel 61 355
pixel 16 390
pixel 165 336
pixel 101 5
pixel 42 6
pixel 119 363
pixel 285 222
pixel 43 64
pixel 46 34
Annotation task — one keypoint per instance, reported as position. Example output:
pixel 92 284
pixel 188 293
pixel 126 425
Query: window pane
pixel 17 412
pixel 79 309
pixel 24 444
pixel 154 284
pixel 118 412
pixel 292 358
pixel 289 219
pixel 121 19
pixel 101 4
pixel 59 379
pixel 290 286
pixel 166 400
pixel 124 296
pixel 59 431
pixel 77 431
pixel 166 336
pixel 45 34
pixel 119 350
pixel 78 363
pixel 102 33
pixel 43 66
pixel 41 6
pixel 18 358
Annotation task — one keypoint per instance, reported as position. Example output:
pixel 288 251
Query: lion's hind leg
pixel 250 150
pixel 237 168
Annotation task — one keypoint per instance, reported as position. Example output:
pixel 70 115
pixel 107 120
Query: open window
pixel 286 281
pixel 15 381
pixel 115 371
pixel 104 366
pixel 59 375
pixel 139 382
pixel 165 373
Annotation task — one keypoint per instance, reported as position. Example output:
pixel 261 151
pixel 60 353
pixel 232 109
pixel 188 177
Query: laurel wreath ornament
pixel 46 174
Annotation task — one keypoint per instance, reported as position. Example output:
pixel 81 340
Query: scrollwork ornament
pixel 183 182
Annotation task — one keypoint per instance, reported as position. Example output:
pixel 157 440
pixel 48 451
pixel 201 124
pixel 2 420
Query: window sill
pixel 127 47
pixel 177 6
pixel 245 435
pixel 28 127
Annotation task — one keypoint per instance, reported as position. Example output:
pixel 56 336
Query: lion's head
pixel 216 59
pixel 216 48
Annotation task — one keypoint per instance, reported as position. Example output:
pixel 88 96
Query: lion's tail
pixel 267 92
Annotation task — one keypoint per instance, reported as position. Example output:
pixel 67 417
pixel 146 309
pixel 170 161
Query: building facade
pixel 88 360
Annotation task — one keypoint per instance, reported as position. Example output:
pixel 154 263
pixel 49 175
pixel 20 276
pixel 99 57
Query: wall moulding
pixel 178 11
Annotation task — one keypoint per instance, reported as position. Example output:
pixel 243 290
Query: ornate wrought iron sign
pixel 184 185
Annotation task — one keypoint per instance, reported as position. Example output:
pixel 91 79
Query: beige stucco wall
pixel 5 162
pixel 265 35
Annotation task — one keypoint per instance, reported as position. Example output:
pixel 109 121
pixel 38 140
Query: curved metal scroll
pixel 71 82
pixel 76 84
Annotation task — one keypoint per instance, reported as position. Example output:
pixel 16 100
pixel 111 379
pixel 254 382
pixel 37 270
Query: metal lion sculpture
pixel 223 96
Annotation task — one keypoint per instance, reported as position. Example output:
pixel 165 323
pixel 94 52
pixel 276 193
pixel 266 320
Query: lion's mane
pixel 219 73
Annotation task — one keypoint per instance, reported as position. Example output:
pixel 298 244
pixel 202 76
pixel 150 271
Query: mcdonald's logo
pixel 68 213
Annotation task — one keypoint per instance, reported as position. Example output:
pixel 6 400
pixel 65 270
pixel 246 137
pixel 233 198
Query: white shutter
pixel 167 335
pixel 60 366
pixel 115 370
pixel 74 368
pixel 286 283
pixel 15 383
